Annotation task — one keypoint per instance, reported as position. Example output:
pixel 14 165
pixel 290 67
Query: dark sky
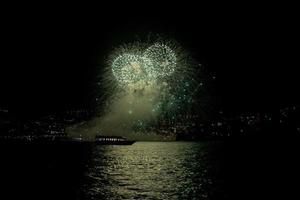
pixel 50 59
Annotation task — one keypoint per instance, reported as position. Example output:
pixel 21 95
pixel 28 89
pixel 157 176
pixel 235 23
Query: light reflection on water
pixel 151 170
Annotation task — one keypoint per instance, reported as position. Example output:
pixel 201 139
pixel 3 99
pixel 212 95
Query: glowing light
pixel 158 60
pixel 152 83
pixel 163 59
pixel 129 68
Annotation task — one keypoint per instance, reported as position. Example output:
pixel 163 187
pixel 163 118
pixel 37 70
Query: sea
pixel 153 170
pixel 145 170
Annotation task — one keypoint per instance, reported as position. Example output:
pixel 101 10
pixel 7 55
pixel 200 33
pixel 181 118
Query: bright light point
pixel 163 59
pixel 151 83
pixel 129 68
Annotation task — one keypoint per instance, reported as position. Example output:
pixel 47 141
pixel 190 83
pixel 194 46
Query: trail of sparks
pixel 146 85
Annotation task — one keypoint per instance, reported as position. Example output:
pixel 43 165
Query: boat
pixel 112 140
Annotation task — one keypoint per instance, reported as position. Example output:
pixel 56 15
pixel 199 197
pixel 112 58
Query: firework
pixel 163 59
pixel 160 75
pixel 157 61
pixel 130 68
pixel 145 85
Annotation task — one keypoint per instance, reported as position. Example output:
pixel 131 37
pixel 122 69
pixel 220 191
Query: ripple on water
pixel 150 170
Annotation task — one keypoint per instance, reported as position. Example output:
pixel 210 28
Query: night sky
pixel 50 61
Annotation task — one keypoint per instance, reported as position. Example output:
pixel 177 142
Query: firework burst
pixel 159 76
pixel 145 85
pixel 163 59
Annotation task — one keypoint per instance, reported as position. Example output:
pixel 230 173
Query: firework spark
pixel 163 59
pixel 145 84
pixel 129 68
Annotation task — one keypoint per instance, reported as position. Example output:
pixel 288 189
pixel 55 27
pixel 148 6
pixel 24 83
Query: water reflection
pixel 151 170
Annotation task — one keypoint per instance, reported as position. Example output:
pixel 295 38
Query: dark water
pixel 154 170
pixel 238 169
